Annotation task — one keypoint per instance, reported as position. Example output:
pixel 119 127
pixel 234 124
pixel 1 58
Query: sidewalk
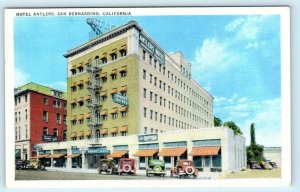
pixel 202 175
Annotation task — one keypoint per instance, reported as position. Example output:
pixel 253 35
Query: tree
pixel 217 122
pixel 234 127
pixel 255 152
pixel 252 134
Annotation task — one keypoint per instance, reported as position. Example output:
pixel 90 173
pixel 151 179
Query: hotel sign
pixel 155 51
pixel 147 138
pixel 50 138
pixel 120 99
pixel 97 150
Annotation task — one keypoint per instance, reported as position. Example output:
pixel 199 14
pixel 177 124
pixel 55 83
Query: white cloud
pixel 265 114
pixel 21 77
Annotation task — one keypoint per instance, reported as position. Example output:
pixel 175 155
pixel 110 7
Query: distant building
pixel 273 154
pixel 40 116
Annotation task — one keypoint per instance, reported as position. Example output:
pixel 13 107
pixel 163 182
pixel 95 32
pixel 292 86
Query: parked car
pixel 127 166
pixel 266 165
pixel 273 164
pixel 22 164
pixel 109 166
pixel 254 165
pixel 184 168
pixel 156 167
pixel 35 164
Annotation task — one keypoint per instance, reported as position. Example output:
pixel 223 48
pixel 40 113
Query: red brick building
pixel 40 116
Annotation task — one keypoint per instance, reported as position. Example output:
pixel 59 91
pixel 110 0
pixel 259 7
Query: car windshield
pixel 186 163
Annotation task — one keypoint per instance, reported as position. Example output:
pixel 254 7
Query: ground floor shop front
pixel 211 149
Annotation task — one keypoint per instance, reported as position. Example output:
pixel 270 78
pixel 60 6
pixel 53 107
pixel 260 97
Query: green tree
pixel 236 129
pixel 255 152
pixel 252 134
pixel 217 122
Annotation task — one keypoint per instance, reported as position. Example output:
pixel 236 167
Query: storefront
pixel 207 155
pixel 146 152
pixel 173 151
pixel 76 157
pixel 120 151
pixel 58 158
pixel 44 157
pixel 94 154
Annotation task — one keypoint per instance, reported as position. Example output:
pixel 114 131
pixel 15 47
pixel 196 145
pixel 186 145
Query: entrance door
pixel 207 164
pixel 142 163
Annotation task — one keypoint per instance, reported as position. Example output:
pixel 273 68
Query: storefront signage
pixel 45 152
pixel 120 99
pixel 50 138
pixel 155 51
pixel 97 150
pixel 76 150
pixel 147 138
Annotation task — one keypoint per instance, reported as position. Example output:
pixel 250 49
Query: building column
pixel 83 166
pixel 146 162
pixel 51 159
pixel 172 161
pixel 69 160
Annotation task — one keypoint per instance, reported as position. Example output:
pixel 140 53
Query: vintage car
pixel 35 164
pixel 126 165
pixel 273 164
pixel 254 165
pixel 109 166
pixel 184 168
pixel 156 167
pixel 266 165
pixel 21 164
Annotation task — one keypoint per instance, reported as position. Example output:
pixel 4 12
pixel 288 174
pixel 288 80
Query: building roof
pixel 40 89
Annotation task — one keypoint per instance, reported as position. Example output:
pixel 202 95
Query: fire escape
pixel 94 86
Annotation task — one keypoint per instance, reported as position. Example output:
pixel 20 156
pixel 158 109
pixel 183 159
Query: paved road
pixel 56 175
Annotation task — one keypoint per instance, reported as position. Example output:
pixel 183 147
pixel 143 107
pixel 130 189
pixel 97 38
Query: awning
pixel 113 72
pixel 88 97
pixel 80 65
pixel 73 84
pixel 117 154
pixel 42 156
pixel 74 134
pixel 73 101
pixel 80 83
pixel 81 117
pixel 73 68
pixel 123 69
pixel 88 62
pixel 87 116
pixel 172 152
pixel 80 100
pixel 103 75
pixel 113 91
pixel 87 80
pixel 145 152
pixel 124 128
pixel 80 134
pixel 74 118
pixel 123 109
pixel 72 156
pixel 104 131
pixel 114 110
pixel 104 112
pixel 114 130
pixel 58 155
pixel 204 151
pixel 88 133
pixel 124 88
pixel 103 93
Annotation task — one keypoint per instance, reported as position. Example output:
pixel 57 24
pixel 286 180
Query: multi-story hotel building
pixel 123 83
pixel 40 116
pixel 128 98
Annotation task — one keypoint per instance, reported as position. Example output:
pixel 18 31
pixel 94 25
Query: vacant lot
pixel 250 173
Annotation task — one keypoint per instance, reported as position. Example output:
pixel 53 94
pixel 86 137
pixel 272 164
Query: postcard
pixel 147 97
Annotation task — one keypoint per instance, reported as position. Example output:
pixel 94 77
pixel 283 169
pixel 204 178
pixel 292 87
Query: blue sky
pixel 236 58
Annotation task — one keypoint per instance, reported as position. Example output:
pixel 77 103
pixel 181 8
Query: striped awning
pixel 74 118
pixel 113 72
pixel 73 101
pixel 58 155
pixel 114 130
pixel 124 88
pixel 124 128
pixel 103 75
pixel 80 134
pixel 123 69
pixel 114 110
pixel 88 133
pixel 42 156
pixel 205 151
pixel 172 152
pixel 74 134
pixel 81 117
pixel 103 93
pixel 113 91
pixel 117 154
pixel 80 65
pixel 124 108
pixel 104 131
pixel 72 155
pixel 145 152
pixel 104 112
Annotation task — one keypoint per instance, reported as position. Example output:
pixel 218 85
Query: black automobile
pixel 22 164
pixel 273 164
pixel 254 165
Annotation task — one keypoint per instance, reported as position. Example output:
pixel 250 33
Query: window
pixel 160 68
pixel 65 105
pixel 19 116
pixel 80 121
pixel 26 132
pixel 160 119
pixel 150 59
pixel 124 113
pixel 16 133
pixel 145 93
pixel 81 86
pixel 55 132
pixel 144 74
pixel 114 115
pixel 65 135
pixel 26 98
pixel 145 112
pixel 45 101
pixel 160 101
pixel 144 55
pixel 103 60
pixel 124 133
pixel 164 70
pixel 151 114
pixel 74 105
pixel 16 117
pixel 80 69
pixel 165 119
pixel 160 82
pixel 151 95
pixel 155 101
pixel 155 64
pixel 45 116
pixel 113 56
pixel 19 99
pixel 45 131
pixel 19 133
pixel 156 130
pixel 123 73
pixel 164 86
pixel 155 116
pixel 58 118
pixel 168 89
pixel 73 88
pixel 114 76
pixel 15 101
pixel 150 78
pixel 164 102
pixel 124 93
pixel 74 122
pixel 123 52
pixel 151 130
pixel 155 79
pixel 114 134
pixel 65 119
pixel 145 130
